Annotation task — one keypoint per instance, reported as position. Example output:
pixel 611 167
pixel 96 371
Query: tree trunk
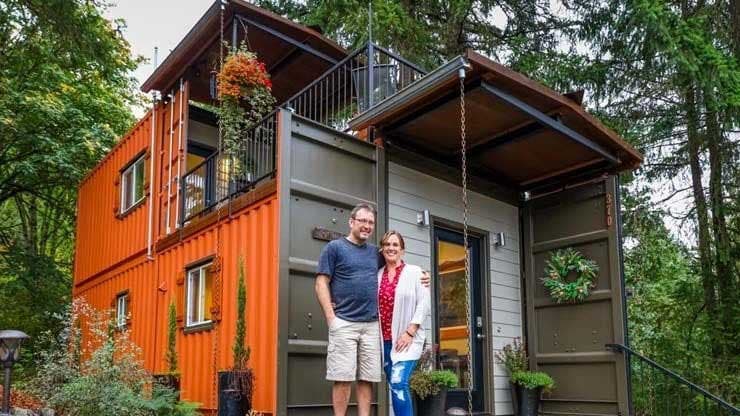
pixel 722 247
pixel 702 217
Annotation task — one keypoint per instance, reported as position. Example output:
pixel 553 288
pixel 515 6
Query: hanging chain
pixel 464 163
pixel 216 293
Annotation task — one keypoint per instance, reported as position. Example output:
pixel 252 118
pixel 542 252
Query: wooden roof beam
pixel 514 134
pixel 549 122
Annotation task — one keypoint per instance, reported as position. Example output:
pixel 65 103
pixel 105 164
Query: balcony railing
pixel 221 177
pixel 355 84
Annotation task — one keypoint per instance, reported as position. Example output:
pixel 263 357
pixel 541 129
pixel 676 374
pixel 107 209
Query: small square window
pixel 122 310
pixel 199 295
pixel 132 184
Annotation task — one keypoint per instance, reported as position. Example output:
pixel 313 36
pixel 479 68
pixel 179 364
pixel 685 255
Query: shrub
pixel 426 383
pixel 103 376
pixel 514 357
pixel 171 355
pixel 533 380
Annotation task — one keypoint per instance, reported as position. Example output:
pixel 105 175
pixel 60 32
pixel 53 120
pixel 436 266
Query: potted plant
pixel 430 387
pixel 171 379
pixel 526 386
pixel 245 94
pixel 239 380
pixel 529 388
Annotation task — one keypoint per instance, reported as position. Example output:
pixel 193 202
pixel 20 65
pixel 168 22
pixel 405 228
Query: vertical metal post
pixel 6 389
pixel 370 78
pixel 234 29
pixel 181 202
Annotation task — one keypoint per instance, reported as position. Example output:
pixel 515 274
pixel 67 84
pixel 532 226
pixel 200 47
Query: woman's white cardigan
pixel 411 306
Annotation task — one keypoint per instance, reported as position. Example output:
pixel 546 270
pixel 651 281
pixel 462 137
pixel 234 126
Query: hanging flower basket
pixel 557 269
pixel 245 92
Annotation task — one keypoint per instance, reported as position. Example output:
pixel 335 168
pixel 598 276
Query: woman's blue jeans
pixel 398 375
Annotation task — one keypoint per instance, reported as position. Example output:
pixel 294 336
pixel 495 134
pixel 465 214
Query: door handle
pixel 480 336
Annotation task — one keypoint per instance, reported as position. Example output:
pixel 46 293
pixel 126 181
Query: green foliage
pixel 109 380
pixel 65 96
pixel 559 266
pixel 514 357
pixel 444 378
pixel 171 354
pixel 427 383
pixel 245 98
pixel 430 32
pixel 533 380
pixel 240 350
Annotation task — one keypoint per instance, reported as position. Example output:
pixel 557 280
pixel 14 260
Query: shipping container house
pixel 162 219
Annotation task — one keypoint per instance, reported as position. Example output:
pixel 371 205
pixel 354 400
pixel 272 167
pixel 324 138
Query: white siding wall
pixel 410 192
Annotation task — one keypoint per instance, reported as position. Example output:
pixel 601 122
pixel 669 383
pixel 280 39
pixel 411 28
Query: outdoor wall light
pixel 422 218
pixel 499 239
pixel 10 348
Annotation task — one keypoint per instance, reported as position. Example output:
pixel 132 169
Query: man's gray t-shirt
pixel 353 269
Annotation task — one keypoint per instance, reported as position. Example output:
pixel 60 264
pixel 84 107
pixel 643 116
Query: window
pixel 198 295
pixel 132 184
pixel 122 310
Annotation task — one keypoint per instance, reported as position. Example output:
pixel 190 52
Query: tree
pixel 65 96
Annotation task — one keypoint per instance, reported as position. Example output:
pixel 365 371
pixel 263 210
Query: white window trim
pixel 121 310
pixel 202 276
pixel 124 185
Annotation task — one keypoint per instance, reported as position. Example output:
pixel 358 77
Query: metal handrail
pixel 215 154
pixel 214 179
pixel 675 376
pixel 350 86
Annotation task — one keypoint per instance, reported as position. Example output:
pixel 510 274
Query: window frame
pixel 122 302
pixel 131 167
pixel 202 270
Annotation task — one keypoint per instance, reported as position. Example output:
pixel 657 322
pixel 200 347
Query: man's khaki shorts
pixel 354 351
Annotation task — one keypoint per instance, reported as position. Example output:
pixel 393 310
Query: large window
pixel 122 310
pixel 199 282
pixel 132 184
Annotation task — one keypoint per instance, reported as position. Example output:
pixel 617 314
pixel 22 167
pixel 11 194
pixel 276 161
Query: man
pixel 347 289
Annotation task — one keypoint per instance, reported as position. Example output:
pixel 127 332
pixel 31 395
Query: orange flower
pixel 241 74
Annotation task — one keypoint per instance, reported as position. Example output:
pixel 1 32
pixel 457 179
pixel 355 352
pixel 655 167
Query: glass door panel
pixel 451 324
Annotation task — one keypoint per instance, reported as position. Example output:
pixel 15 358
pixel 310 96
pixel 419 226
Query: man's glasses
pixel 364 221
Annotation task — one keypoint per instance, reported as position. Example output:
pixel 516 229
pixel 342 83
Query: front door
pixel 452 329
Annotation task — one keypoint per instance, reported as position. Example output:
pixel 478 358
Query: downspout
pixel 179 158
pixel 169 162
pixel 151 180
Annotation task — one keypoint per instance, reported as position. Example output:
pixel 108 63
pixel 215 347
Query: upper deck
pixel 522 136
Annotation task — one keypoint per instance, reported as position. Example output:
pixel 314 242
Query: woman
pixel 403 304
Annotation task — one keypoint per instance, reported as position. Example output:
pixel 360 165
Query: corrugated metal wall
pixel 253 235
pixel 136 277
pixel 104 238
pixel 323 174
pixel 566 340
pixel 111 256
pixel 152 285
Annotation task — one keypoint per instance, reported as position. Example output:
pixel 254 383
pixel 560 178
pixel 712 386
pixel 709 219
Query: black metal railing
pixel 221 177
pixel 355 84
pixel 658 391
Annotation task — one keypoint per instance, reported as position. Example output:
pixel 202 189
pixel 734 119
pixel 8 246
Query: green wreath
pixel 557 269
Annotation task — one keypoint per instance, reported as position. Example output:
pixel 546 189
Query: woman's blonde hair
pixel 388 235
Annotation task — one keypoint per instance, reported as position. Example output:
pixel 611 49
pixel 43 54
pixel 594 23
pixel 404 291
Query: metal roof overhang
pixel 519 132
pixel 293 54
